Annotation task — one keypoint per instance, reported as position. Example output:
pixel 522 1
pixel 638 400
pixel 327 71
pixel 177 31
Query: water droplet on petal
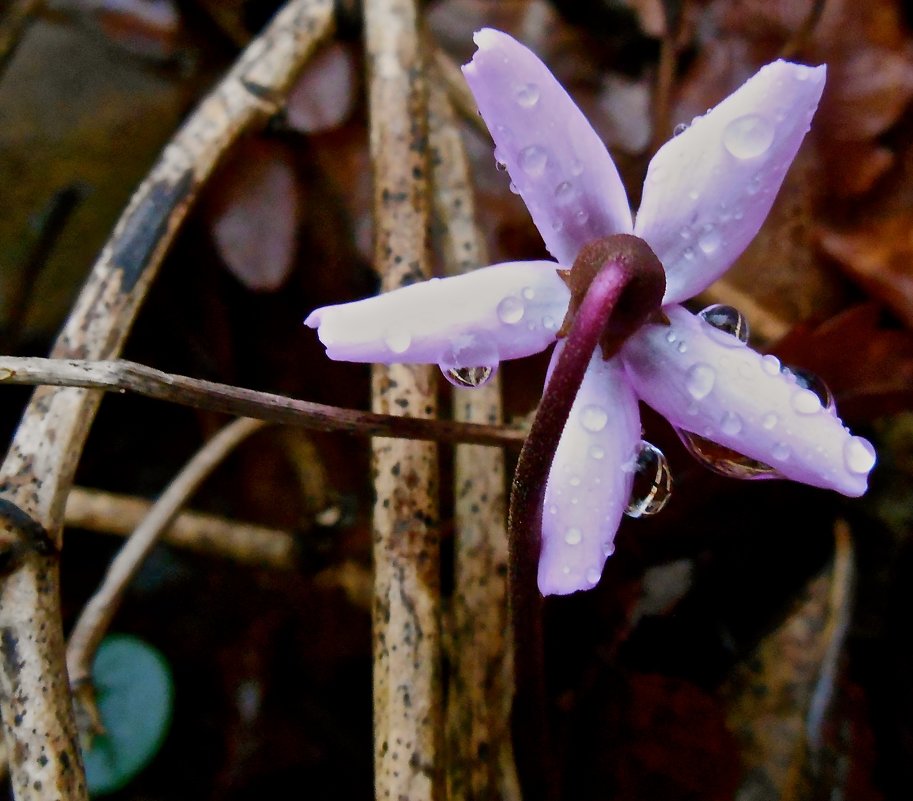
pixel 754 186
pixel 557 226
pixel 682 347
pixel 574 481
pixel 511 310
pixel 549 324
pixel 699 380
pixel 500 166
pixel 592 576
pixel 652 482
pixel 398 340
pixel 565 193
pixel 573 536
pixel 670 336
pixel 723 460
pixel 593 418
pixel 710 241
pixel 526 95
pixel 727 319
pixel 770 364
pixel 576 167
pixel 808 380
pixel 769 421
pixel 859 455
pixel 533 160
pixel 731 424
pixel 528 292
pixel 597 452
pixel 608 548
pixel 679 129
pixel 468 377
pixel 804 401
pixel 513 188
pixel 748 136
pixel 582 216
pixel 780 452
pixel 688 253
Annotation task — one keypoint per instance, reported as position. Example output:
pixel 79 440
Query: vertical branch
pixel 407 685
pixel 38 470
pixel 480 754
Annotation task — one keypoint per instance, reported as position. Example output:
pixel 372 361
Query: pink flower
pixel 707 193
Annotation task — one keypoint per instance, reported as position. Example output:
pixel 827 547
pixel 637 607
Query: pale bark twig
pixel 408 698
pixel 97 614
pixel 247 543
pixel 38 470
pixel 479 749
pixel 119 376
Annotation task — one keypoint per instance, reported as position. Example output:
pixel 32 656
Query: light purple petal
pixel 709 189
pixel 472 320
pixel 709 383
pixel 558 163
pixel 590 481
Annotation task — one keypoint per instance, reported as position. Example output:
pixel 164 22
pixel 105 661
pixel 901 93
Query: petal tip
pixel 313 319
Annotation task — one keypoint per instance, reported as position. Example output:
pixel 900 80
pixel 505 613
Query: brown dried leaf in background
pixel 254 209
pixel 324 95
pixel 147 28
pixel 879 256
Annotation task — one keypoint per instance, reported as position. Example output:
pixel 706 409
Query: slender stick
pixel 408 698
pixel 97 614
pixel 479 748
pixel 119 376
pixel 38 471
pixel 109 513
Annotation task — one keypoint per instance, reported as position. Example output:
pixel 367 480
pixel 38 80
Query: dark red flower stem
pixel 627 278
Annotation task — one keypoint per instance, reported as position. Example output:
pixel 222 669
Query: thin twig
pixel 800 38
pixel 97 614
pixel 408 697
pixel 448 73
pixel 38 470
pixel 110 513
pixel 119 376
pixel 479 749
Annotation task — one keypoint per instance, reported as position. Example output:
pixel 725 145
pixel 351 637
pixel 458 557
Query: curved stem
pixel 538 771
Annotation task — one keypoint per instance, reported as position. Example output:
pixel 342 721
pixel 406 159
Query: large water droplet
pixel 804 401
pixel 511 310
pixel 859 455
pixel 727 319
pixel 526 95
pixel 573 536
pixel 565 193
pixel 749 136
pixel 398 340
pixel 710 240
pixel 770 364
pixel 811 382
pixel 699 380
pixel 652 482
pixel 723 460
pixel 533 160
pixel 593 418
pixel 731 424
pixel 468 377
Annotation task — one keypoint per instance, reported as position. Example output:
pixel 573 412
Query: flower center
pixel 642 296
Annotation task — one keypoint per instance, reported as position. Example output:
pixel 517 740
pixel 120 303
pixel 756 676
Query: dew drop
pixel 565 193
pixel 553 510
pixel 804 401
pixel 748 136
pixel 754 185
pixel 699 380
pixel 682 347
pixel 679 129
pixel 652 482
pixel 468 377
pixel 549 324
pixel 597 452
pixel 528 292
pixel 811 382
pixel 557 226
pixel 511 310
pixel 582 216
pixel 780 452
pixel 770 364
pixel 608 548
pixel 728 320
pixel 574 481
pixel 513 188
pixel 500 166
pixel 593 418
pixel 859 455
pixel 769 421
pixel 533 160
pixel 710 241
pixel 576 167
pixel 688 253
pixel 573 536
pixel 398 340
pixel 592 576
pixel 526 95
pixel 670 336
pixel 723 460
pixel 731 424
pixel 685 232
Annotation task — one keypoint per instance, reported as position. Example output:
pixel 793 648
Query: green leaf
pixel 135 694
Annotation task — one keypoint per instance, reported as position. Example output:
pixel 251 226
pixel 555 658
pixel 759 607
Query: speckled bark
pixel 407 687
pixel 38 470
pixel 479 752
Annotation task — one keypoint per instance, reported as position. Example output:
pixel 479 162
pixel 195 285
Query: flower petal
pixel 558 163
pixel 590 480
pixel 707 382
pixel 709 189
pixel 472 320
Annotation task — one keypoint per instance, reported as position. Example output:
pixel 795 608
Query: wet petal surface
pixel 709 189
pixel 708 382
pixel 590 481
pixel 478 319
pixel 557 162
